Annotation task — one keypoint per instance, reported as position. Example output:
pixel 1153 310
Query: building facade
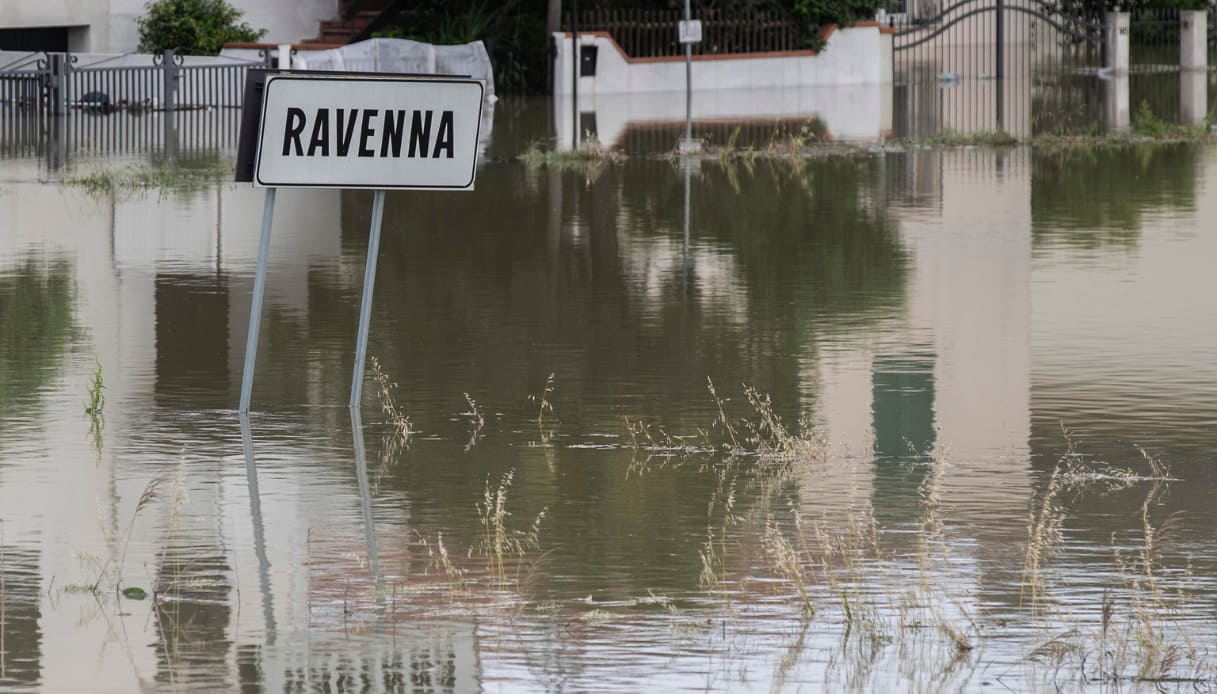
pixel 109 26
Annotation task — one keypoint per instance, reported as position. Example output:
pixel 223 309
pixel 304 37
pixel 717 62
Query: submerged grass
pixel 845 576
pixel 589 159
pixel 161 177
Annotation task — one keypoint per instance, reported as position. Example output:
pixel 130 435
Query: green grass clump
pixel 591 153
pixel 140 178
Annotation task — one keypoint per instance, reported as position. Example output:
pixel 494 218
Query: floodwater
pixel 575 508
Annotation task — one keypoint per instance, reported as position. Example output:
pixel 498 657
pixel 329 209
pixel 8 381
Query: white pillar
pixel 1117 42
pixel 1193 38
pixel 1116 102
pixel 1193 61
pixel 1193 96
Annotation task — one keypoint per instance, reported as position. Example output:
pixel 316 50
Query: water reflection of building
pixel 151 279
pixel 856 113
pixel 958 381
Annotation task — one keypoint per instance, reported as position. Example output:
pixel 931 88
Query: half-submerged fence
pixel 126 103
pixel 653 33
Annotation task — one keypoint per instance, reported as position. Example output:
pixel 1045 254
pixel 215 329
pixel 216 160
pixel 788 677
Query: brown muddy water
pixel 995 373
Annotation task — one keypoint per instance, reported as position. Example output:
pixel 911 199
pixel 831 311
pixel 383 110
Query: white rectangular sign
pixel 690 31
pixel 369 132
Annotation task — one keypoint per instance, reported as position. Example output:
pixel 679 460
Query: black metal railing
pixel 646 33
pixel 59 104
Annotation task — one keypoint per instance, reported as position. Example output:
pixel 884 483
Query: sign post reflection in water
pixel 342 130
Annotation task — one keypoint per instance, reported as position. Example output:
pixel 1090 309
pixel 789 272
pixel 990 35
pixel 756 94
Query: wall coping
pixel 238 45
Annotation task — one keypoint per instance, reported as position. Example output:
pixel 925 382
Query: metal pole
pixel 255 306
pixel 1001 40
pixel 688 80
pixel 365 308
pixel 169 75
pixel 574 79
pixel 1001 64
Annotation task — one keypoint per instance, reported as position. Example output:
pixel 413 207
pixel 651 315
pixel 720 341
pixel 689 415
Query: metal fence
pixel 58 103
pixel 653 33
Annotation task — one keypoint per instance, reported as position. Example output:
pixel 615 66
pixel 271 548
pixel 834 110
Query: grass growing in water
pixel 403 428
pixel 97 399
pixel 140 178
pixel 589 153
pixel 499 542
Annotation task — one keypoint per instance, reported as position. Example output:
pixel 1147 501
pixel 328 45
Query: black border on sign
pixel 365 77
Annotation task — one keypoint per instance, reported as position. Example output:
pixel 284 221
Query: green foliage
pixel 1145 122
pixel 514 32
pixel 819 13
pixel 97 400
pixel 192 27
pixel 1096 196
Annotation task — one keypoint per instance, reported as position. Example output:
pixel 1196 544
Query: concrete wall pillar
pixel 1193 96
pixel 1193 61
pixel 1117 42
pixel 1193 40
pixel 1115 99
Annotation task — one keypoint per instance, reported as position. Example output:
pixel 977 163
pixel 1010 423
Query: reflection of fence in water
pixel 93 132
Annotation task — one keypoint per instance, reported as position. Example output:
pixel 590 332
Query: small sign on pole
pixel 351 130
pixel 690 31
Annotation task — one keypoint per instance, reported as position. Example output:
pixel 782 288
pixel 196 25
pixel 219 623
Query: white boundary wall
pixel 109 26
pixel 857 55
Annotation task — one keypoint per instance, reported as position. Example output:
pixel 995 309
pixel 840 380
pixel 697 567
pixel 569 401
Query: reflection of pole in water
pixel 255 515
pixel 687 167
pixel 365 501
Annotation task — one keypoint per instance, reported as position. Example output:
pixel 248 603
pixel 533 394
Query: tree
pixel 192 27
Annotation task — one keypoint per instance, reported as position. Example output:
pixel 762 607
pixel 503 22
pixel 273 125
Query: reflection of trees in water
pixel 193 617
pixel 21 640
pixel 1095 197
pixel 540 272
pixel 37 312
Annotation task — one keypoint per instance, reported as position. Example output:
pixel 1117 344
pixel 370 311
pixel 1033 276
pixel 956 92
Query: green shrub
pixel 192 27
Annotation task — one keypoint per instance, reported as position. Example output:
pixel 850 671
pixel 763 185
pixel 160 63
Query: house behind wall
pixel 109 26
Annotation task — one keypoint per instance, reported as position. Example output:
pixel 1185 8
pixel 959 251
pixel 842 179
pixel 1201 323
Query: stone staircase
pixel 354 16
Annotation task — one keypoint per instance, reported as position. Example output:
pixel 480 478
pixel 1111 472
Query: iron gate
pixel 1019 66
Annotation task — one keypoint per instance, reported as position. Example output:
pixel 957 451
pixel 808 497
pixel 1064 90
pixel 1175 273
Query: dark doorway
pixel 54 39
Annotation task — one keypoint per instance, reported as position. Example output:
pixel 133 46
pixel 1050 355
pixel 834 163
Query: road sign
pixel 690 31
pixel 352 130
pixel 369 132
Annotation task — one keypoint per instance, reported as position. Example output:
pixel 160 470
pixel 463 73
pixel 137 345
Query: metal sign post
pixel 255 306
pixel 689 34
pixel 336 130
pixel 365 305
